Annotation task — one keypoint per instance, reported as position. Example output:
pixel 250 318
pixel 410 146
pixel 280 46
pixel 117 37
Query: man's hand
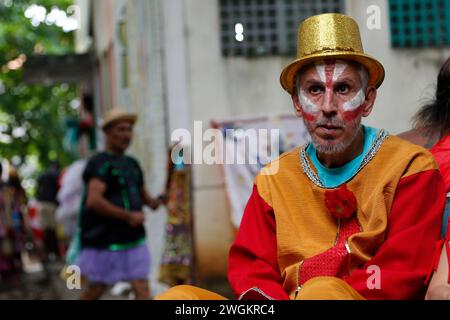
pixel 136 219
pixel 439 293
pixel 163 198
pixel 154 204
pixel 151 202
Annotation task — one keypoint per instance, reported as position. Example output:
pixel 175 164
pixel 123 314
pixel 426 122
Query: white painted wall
pixel 82 39
pixel 146 96
pixel 174 44
pixel 410 73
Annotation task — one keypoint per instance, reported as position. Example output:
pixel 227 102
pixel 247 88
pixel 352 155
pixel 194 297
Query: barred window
pixel 419 23
pixel 267 27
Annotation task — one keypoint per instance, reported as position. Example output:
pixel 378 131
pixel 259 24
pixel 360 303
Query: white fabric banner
pixel 250 149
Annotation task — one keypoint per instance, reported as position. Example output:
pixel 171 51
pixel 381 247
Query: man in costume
pixel 113 237
pixel 345 217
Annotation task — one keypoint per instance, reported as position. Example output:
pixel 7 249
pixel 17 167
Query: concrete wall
pixel 82 39
pixel 410 73
pixel 146 97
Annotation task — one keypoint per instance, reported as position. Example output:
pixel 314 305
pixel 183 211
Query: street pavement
pixel 45 285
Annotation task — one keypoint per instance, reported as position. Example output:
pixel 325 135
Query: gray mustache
pixel 330 122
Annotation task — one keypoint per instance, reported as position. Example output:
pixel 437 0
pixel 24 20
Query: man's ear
pixel 371 95
pixel 297 106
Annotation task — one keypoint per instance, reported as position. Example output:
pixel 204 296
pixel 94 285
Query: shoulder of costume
pixel 413 157
pixel 277 170
pixel 286 160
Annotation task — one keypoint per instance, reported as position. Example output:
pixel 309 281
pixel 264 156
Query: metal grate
pixel 419 23
pixel 267 27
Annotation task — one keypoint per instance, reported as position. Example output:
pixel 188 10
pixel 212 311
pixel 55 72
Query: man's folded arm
pixel 405 258
pixel 253 265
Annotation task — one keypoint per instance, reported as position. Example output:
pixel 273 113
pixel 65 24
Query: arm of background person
pixel 148 200
pixel 96 202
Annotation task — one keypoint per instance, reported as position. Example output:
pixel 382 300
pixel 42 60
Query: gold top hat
pixel 330 36
pixel 115 115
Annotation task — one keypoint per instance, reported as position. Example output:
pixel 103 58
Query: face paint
pixel 320 68
pixel 331 115
pixel 309 108
pixel 355 102
pixel 330 72
pixel 339 68
pixel 307 104
pixel 354 107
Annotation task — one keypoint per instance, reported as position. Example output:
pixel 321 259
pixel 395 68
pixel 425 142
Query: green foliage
pixel 32 116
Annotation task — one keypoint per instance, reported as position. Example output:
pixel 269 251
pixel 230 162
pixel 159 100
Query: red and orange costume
pixel 291 245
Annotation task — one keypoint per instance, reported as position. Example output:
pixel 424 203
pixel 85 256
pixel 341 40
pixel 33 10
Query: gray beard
pixel 333 148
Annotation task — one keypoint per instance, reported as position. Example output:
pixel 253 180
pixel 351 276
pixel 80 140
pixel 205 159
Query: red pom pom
pixel 341 202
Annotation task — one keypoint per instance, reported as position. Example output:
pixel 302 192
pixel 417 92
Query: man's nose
pixel 329 105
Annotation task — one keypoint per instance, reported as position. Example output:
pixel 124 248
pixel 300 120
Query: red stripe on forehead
pixel 329 72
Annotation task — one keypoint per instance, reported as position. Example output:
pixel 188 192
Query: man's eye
pixel 342 88
pixel 315 89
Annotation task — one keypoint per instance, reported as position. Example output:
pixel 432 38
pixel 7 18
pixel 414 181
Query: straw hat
pixel 115 115
pixel 13 173
pixel 330 36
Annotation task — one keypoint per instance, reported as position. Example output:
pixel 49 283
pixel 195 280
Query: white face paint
pixel 355 102
pixel 307 104
pixel 339 68
pixel 320 68
pixel 328 79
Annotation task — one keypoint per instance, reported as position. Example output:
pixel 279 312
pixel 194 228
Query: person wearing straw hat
pixel 113 238
pixel 345 216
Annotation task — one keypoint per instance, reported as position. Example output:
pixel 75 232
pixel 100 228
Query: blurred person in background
pixel 12 225
pixel 432 130
pixel 46 196
pixel 113 238
pixel 5 264
pixel 69 198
